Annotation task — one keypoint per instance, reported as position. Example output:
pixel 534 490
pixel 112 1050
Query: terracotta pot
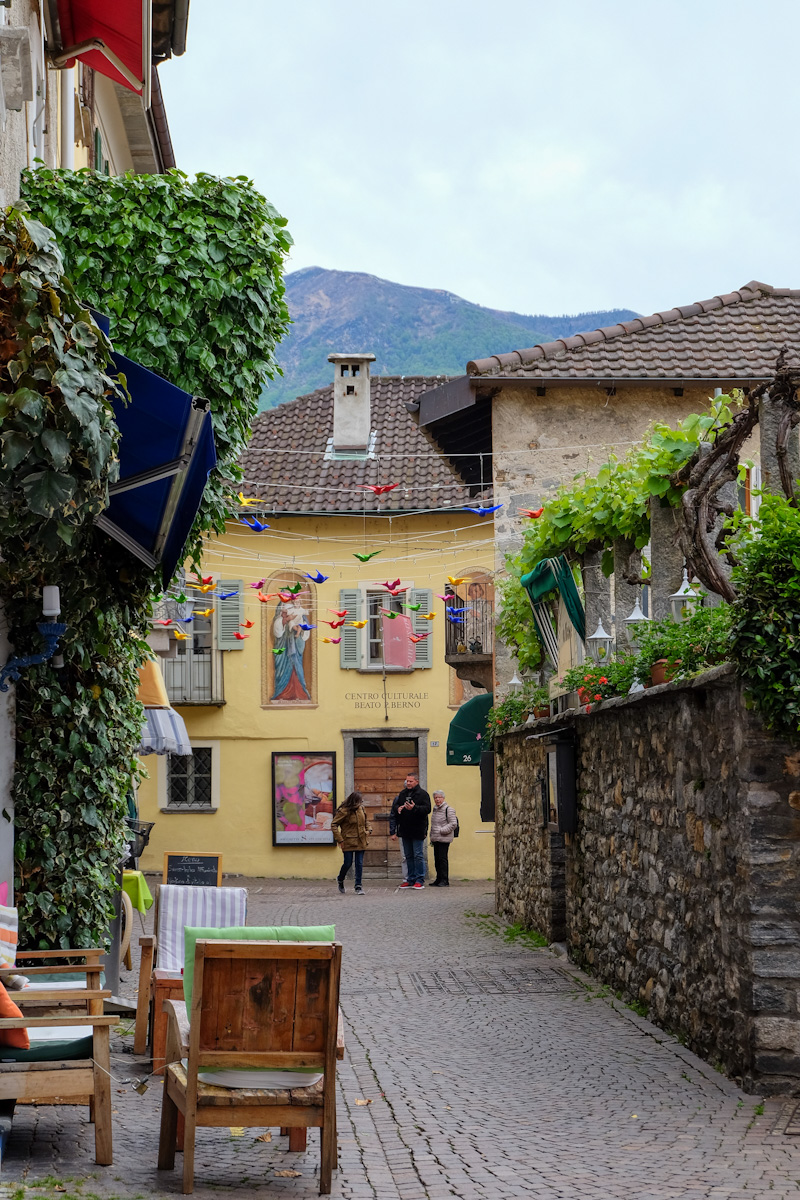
pixel 542 710
pixel 663 670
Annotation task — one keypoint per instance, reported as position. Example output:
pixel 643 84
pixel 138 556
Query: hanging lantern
pixel 599 645
pixel 634 625
pixel 515 682
pixel 684 601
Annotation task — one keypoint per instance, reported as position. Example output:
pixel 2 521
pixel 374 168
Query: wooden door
pixel 379 778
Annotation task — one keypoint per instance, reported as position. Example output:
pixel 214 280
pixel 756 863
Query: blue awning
pixel 163 732
pixel 166 452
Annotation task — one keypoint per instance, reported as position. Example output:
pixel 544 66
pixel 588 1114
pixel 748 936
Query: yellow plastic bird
pixel 180 636
pixel 205 613
pixel 202 587
pixel 243 501
pixel 428 616
pixel 357 624
pixel 455 582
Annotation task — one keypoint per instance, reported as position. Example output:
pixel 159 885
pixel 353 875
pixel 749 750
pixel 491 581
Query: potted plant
pixel 539 700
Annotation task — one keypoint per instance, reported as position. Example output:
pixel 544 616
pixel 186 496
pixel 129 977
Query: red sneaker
pixel 419 885
pixel 405 884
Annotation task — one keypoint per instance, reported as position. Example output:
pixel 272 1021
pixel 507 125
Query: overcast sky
pixel 540 157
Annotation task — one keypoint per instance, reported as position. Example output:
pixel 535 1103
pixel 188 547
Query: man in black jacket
pixel 409 819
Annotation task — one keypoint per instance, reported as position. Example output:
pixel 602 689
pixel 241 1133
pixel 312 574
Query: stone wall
pixel 681 886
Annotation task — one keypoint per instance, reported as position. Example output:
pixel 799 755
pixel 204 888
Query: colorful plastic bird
pixel 205 613
pixel 263 599
pixel 455 620
pixel 337 612
pixel 448 599
pixel 417 637
pixel 246 624
pixel 387 612
pixel 531 512
pixel 357 624
pixel 203 579
pixel 162 622
pixel 181 636
pixel 379 488
pixel 450 609
pixel 284 596
pixel 481 511
pixel 455 582
pixel 244 502
pixel 397 591
pixel 389 586
pixel 334 624
pixel 428 616
pixel 333 641
pixel 318 577
pixel 305 625
pixel 240 636
pixel 295 588
pixel 258 585
pixel 279 650
pixel 366 557
pixel 227 595
pixel 414 607
pixel 186 620
pixel 254 524
pixel 201 587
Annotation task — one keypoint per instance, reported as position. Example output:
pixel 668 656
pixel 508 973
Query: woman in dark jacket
pixel 351 831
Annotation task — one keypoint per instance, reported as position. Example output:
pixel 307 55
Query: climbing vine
pixel 190 273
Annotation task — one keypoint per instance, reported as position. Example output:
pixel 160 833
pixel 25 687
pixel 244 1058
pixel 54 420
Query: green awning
pixel 466 738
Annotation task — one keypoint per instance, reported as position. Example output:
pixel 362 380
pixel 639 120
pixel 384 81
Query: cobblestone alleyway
pixel 493 1070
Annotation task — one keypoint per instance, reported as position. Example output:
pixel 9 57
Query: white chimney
pixel 351 411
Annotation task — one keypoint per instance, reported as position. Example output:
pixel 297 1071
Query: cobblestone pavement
pixel 494 1071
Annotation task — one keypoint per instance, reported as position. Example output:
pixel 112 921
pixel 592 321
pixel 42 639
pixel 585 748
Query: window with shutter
pixel 424 649
pixel 229 614
pixel 352 639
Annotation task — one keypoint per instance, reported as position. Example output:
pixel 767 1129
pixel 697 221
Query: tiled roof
pixel 736 336
pixel 288 481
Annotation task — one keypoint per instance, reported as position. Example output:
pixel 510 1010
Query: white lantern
pixel 515 682
pixel 633 625
pixel 684 601
pixel 51 601
pixel 599 645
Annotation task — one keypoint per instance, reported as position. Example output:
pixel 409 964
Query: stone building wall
pixel 681 886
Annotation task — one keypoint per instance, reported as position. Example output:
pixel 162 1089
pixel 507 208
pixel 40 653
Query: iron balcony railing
pixel 469 635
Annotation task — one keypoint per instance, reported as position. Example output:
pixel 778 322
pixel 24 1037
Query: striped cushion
pixel 207 907
pixel 8 936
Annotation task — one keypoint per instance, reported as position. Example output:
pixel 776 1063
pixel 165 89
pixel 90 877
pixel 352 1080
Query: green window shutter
pixel 350 645
pixel 423 651
pixel 229 614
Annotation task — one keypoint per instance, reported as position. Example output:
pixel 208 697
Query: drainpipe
pixel 67 124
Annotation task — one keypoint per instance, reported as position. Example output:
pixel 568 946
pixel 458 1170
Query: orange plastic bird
pixel 357 624
pixel 241 636
pixel 286 597
pixel 246 624
pixel 417 637
pixel 531 512
pixel 269 596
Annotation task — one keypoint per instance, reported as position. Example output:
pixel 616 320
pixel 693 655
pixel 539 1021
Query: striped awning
pixel 163 732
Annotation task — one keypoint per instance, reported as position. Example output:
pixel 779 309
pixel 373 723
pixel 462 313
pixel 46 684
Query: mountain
pixel 410 330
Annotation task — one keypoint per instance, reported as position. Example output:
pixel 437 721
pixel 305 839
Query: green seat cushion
pixel 53 1050
pixel 249 933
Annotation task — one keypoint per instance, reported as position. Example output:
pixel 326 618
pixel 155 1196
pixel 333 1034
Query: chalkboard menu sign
pixel 193 870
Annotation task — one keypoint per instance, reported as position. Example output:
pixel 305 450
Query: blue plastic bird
pixel 483 512
pixel 226 595
pixel 450 609
pixel 303 625
pixel 317 577
pixel 253 524
pixel 186 620
pixel 455 620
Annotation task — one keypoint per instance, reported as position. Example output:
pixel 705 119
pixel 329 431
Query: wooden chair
pixel 161 967
pixel 72 1072
pixel 268 1005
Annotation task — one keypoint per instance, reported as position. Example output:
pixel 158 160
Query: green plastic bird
pixel 295 588
pixel 414 607
pixel 365 557
pixel 389 614
pixel 279 650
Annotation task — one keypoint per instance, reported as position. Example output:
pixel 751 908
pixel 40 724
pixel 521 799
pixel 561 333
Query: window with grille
pixel 189 780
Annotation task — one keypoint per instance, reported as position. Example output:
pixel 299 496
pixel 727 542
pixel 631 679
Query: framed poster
pixel 303 798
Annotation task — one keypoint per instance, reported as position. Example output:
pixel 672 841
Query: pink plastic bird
pixel 337 613
pixel 379 489
pixel 162 622
pixel 417 637
pixel 258 585
pixel 332 641
pixel 388 585
pixel 447 599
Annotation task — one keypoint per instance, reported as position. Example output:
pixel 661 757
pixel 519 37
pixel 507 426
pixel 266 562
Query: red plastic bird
pixel 378 489
pixel 334 624
pixel 247 624
pixel 397 591
pixel 388 585
pixel 162 622
pixel 337 613
pixel 241 636
pixel 531 512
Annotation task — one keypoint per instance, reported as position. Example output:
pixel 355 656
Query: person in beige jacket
pixel 444 823
pixel 351 832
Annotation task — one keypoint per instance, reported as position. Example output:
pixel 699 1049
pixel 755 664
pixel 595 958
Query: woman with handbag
pixel 351 832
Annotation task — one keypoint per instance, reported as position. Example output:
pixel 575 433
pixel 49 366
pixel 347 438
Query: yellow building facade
pixel 281 710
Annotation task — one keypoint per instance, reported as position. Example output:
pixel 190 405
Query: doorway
pixel 380 765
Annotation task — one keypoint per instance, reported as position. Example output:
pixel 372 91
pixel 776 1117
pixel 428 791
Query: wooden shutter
pixel 229 614
pixel 423 656
pixel 352 639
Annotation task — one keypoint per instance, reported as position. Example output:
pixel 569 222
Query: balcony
pixel 194 676
pixel 469 643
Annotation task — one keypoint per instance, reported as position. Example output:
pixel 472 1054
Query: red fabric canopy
pixel 120 25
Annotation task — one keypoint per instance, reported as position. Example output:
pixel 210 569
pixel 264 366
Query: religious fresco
pixel 289 676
